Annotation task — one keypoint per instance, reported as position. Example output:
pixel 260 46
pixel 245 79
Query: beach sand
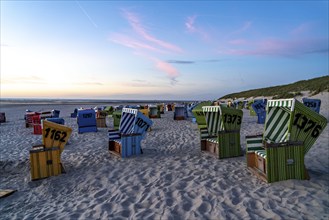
pixel 173 179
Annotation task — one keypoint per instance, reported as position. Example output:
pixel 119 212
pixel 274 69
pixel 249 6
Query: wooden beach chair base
pixel 101 122
pixel 45 162
pixel 225 145
pixel 127 146
pixel 277 162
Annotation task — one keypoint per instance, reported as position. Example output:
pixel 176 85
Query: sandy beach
pixel 173 179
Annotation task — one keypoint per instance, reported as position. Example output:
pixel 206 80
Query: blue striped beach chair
pixel 126 141
pixel 223 127
pixel 290 130
pixel 313 104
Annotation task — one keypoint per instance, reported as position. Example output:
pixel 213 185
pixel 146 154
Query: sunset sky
pixel 160 49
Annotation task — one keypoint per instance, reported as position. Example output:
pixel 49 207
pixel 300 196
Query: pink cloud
pixel 168 69
pixel 132 43
pixel 140 30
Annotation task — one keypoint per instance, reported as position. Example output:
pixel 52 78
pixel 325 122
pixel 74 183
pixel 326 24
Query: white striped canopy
pixel 290 120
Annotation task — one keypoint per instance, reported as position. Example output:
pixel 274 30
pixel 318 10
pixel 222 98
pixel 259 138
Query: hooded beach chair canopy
pixel 259 107
pixel 220 118
pixel 223 130
pixel 290 130
pixel 290 120
pixel 199 115
pixel 180 112
pixel 132 129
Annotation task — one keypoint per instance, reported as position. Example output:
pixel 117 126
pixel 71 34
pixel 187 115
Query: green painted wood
pixel 285 161
pixel 199 115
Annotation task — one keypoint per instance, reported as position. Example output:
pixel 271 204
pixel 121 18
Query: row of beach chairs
pixel 290 130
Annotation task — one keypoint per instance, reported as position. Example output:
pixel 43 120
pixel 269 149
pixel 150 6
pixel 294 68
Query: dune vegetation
pixel 314 86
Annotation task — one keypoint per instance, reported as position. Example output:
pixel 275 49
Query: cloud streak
pixel 181 61
pixel 192 28
pixel 87 15
pixel 139 28
pixel 193 61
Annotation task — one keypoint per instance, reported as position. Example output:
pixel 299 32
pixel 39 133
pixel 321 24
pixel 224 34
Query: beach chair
pixel 154 111
pixel 86 119
pixel 161 108
pixel 199 114
pixel 109 110
pixel 29 118
pixel 55 113
pixel 223 126
pixel 313 104
pixel 290 130
pixel 36 121
pixel 45 159
pixel 60 121
pixel 75 113
pixel 2 117
pixel 101 118
pixel 144 111
pixel 169 107
pixel 126 141
pixel 116 119
pixel 259 107
pixel 180 112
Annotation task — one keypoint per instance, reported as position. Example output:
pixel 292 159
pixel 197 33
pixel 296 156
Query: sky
pixel 159 50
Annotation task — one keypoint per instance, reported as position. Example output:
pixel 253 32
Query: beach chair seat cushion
pixel 114 134
pixel 254 142
pixel 261 153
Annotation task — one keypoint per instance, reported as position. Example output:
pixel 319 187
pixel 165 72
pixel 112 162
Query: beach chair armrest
pixel 284 144
pixel 130 135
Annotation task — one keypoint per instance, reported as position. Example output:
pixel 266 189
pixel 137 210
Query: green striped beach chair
pixel 223 126
pixel 289 133
pixel 199 115
pixel 116 118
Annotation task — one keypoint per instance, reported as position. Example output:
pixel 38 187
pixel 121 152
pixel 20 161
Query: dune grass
pixel 315 86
